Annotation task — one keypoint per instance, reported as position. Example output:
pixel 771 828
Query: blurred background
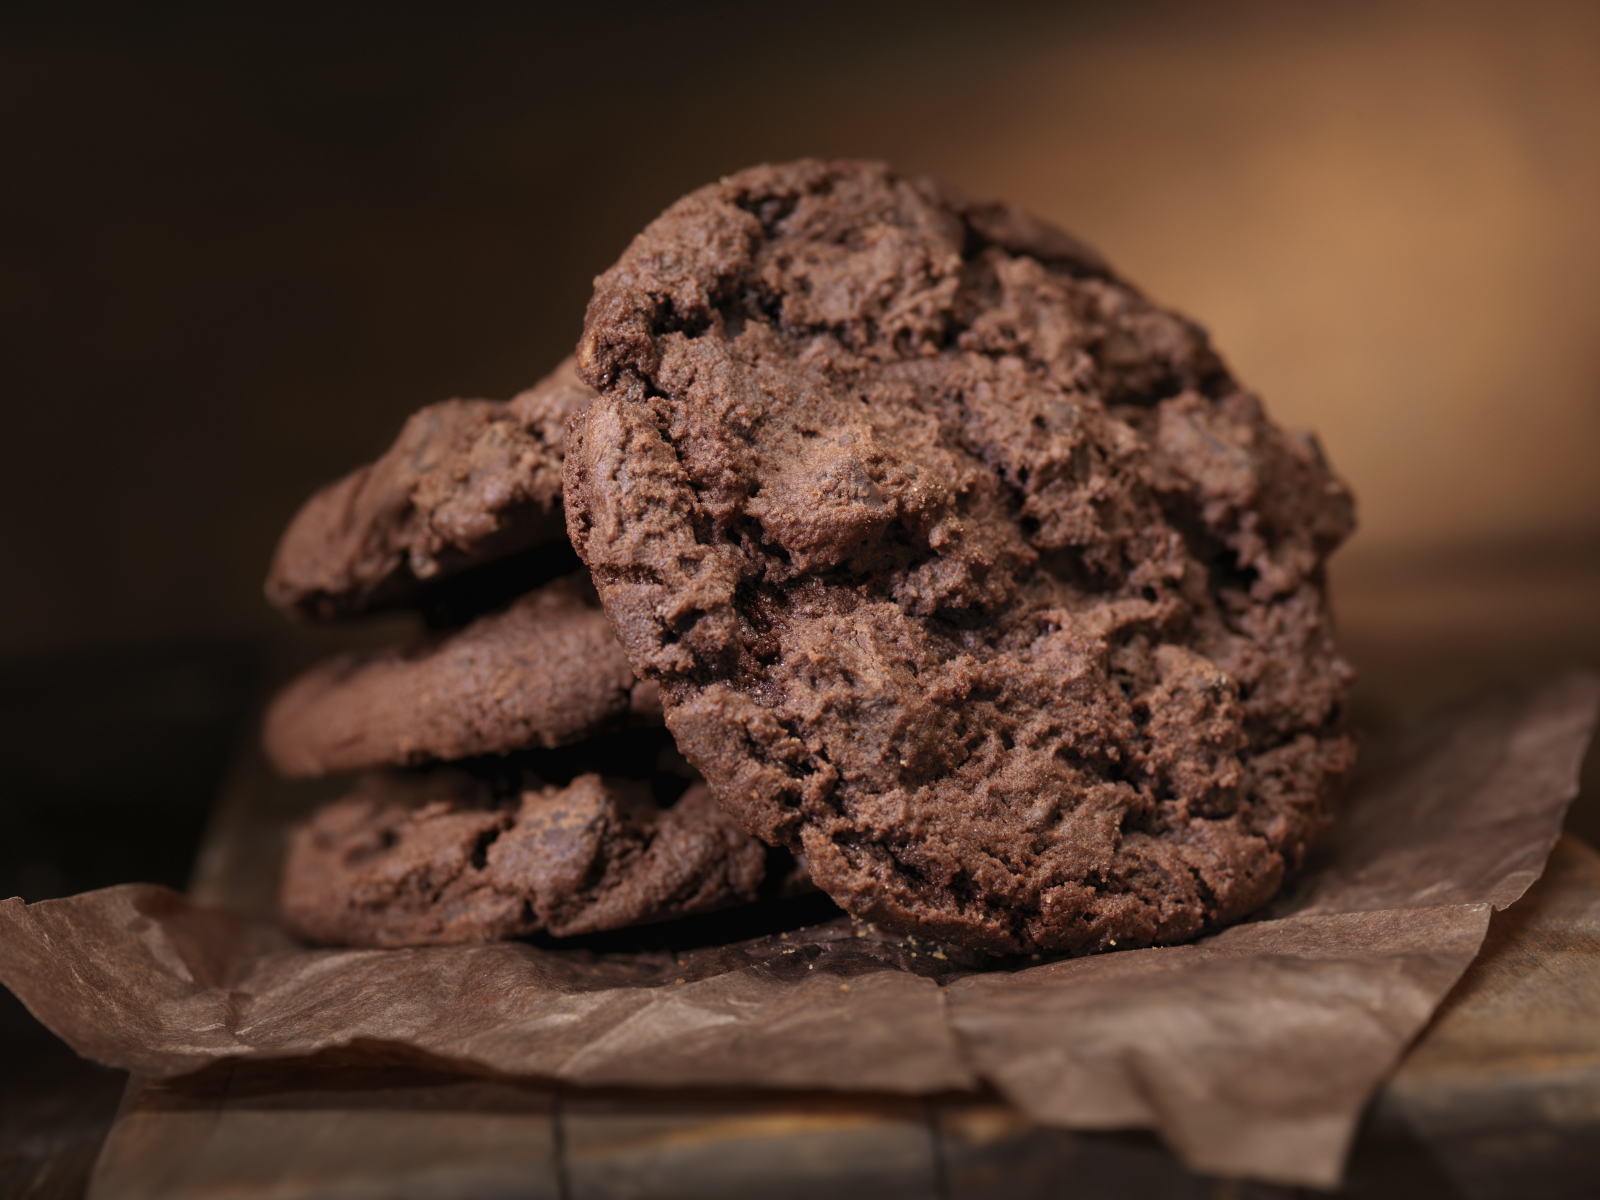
pixel 243 242
pixel 240 246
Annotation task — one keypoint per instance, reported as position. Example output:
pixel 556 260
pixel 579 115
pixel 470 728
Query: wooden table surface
pixel 1500 1095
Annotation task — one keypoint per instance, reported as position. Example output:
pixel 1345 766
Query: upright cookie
pixel 545 672
pixel 467 481
pixel 965 570
pixel 419 862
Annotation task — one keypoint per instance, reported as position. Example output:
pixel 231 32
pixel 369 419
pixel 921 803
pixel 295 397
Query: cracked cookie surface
pixel 466 482
pixel 965 570
pixel 432 860
pixel 547 671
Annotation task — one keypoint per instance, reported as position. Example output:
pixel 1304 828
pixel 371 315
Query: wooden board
pixel 1502 1092
pixel 325 1131
pixel 1502 1089
pixel 1505 1082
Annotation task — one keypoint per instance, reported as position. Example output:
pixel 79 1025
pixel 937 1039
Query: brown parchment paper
pixel 1252 1052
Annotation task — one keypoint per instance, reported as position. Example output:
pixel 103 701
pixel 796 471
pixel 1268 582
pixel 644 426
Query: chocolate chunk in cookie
pixel 545 672
pixel 408 862
pixel 466 482
pixel 965 569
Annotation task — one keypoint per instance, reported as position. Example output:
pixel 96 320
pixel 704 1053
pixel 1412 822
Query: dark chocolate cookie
pixel 965 569
pixel 467 481
pixel 545 672
pixel 408 862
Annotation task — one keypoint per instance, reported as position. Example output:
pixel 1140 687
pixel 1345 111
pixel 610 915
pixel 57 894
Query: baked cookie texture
pixel 431 860
pixel 467 481
pixel 965 570
pixel 547 671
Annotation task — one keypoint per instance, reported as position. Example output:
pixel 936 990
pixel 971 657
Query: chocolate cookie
pixel 466 481
pixel 545 672
pixel 417 862
pixel 965 569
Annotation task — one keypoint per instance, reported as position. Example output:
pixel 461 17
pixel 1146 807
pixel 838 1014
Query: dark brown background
pixel 240 246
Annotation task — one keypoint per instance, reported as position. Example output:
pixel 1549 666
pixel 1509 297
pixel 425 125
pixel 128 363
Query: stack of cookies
pixel 451 834
pixel 959 570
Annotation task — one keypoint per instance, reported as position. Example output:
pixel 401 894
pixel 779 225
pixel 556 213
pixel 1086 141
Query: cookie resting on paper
pixel 467 481
pixel 422 862
pixel 965 570
pixel 545 672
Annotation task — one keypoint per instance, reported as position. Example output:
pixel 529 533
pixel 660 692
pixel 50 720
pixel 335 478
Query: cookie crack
pixel 479 857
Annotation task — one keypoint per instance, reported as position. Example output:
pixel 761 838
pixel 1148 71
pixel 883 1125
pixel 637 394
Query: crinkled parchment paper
pixel 1253 1051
